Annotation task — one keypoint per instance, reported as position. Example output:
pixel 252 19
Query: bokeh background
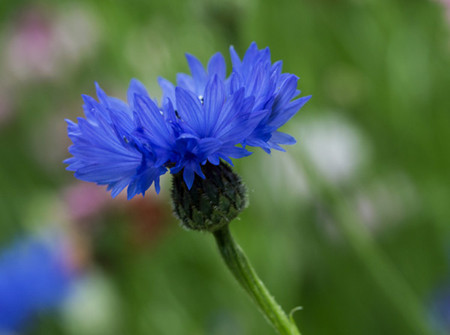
pixel 352 223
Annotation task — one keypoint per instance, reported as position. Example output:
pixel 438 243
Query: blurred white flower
pixel 335 148
pixel 93 307
pixel 387 201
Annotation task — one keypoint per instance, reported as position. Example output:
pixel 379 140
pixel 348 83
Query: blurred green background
pixel 351 223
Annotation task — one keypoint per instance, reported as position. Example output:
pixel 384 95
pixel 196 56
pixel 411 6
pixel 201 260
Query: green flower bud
pixel 212 202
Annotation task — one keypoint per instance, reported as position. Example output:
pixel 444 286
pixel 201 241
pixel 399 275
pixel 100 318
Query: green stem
pixel 241 269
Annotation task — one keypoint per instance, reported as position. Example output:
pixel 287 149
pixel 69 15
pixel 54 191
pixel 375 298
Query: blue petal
pixel 213 102
pixel 92 109
pixel 107 172
pixel 279 119
pixel 235 60
pixel 286 92
pixel 276 69
pixel 233 123
pixel 282 138
pixel 156 128
pixel 198 72
pixel 206 147
pixel 168 89
pixel 190 110
pixel 275 146
pixel 234 83
pixel 185 81
pixel 135 88
pixel 227 159
pixel 72 128
pixel 169 112
pixel 256 141
pixel 235 152
pixel 188 176
pixel 230 111
pixel 217 66
pixel 198 171
pixel 250 57
pixel 110 102
pixel 102 97
pixel 144 180
pixel 214 159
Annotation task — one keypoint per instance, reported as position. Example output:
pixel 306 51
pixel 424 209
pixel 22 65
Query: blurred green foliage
pixel 381 66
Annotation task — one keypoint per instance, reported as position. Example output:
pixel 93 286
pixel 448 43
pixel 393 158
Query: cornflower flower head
pixel 206 118
pixel 119 144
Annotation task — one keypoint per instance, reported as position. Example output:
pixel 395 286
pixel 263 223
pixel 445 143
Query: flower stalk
pixel 239 265
pixel 210 205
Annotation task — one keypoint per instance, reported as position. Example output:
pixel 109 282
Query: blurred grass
pixel 382 65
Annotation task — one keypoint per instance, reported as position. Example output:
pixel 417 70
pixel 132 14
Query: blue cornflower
pixel 440 309
pixel 206 118
pixel 133 144
pixel 34 277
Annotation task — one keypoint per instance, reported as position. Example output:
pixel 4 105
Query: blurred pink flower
pixel 45 45
pixel 446 5
pixel 85 201
pixel 30 47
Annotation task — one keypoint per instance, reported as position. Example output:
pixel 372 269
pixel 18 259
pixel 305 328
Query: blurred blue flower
pixel 33 277
pixel 440 310
pixel 203 119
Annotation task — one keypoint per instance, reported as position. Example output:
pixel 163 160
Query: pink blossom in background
pixel 85 201
pixel 29 51
pixel 44 44
pixel 446 4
